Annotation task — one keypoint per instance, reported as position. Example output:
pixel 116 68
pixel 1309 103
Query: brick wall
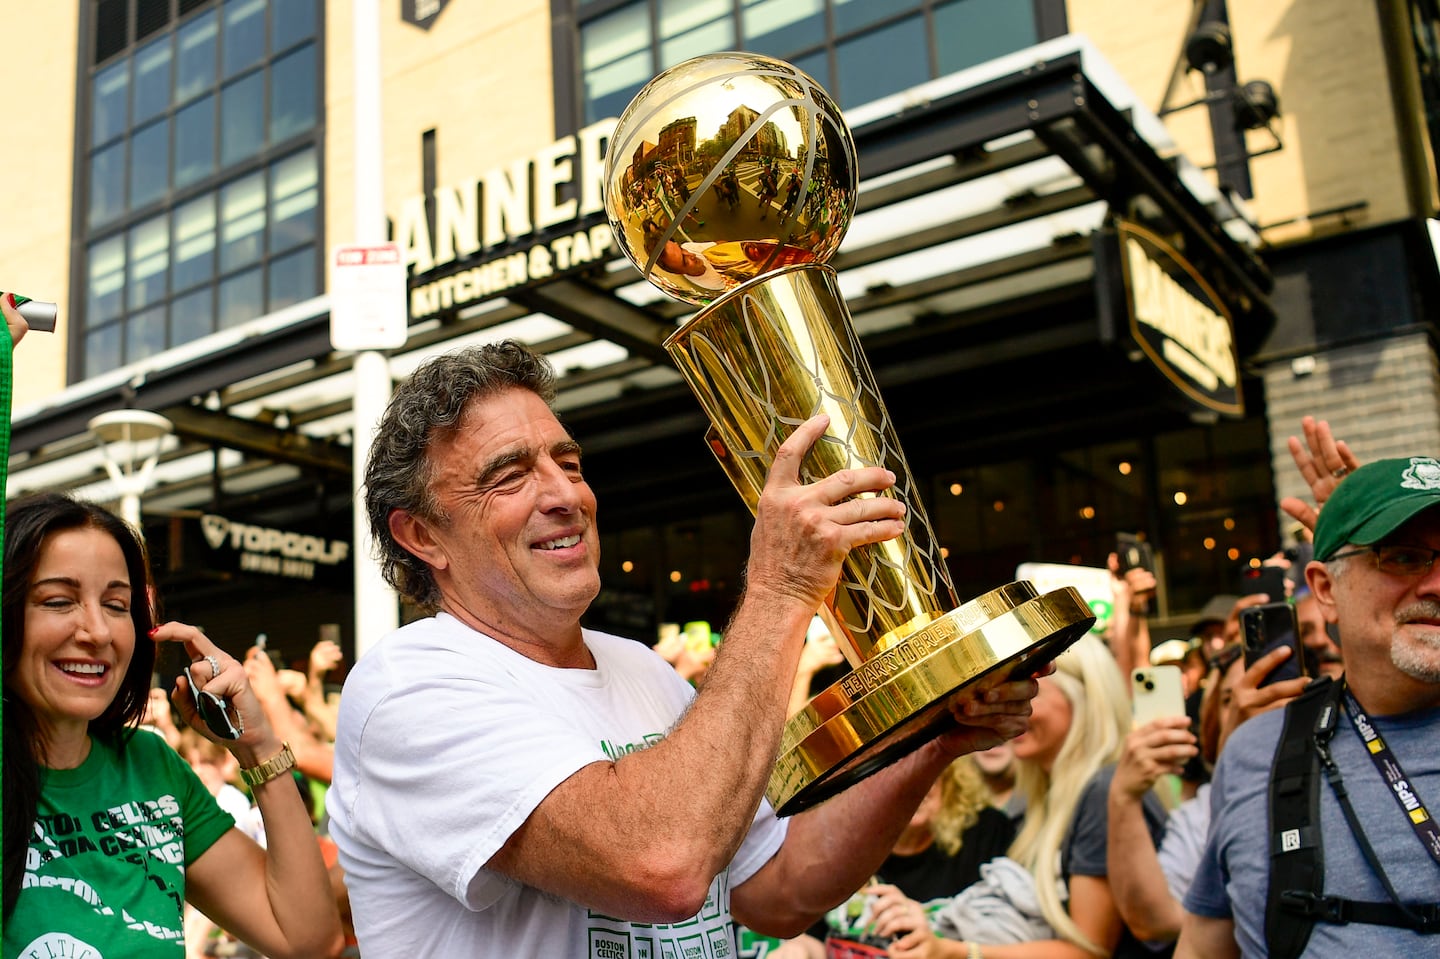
pixel 1382 398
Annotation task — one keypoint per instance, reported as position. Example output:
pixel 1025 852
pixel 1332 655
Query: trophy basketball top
pixel 727 167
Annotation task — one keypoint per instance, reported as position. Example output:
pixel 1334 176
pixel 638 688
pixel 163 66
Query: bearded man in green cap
pixel 1323 840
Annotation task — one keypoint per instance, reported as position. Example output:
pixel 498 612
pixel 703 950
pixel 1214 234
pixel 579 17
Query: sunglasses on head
pixel 212 709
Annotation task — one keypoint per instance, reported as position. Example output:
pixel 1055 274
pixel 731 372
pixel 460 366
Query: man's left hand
pixel 995 710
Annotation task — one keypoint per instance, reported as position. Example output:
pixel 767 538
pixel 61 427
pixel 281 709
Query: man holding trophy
pixel 510 783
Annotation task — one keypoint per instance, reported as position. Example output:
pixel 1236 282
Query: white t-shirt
pixel 447 741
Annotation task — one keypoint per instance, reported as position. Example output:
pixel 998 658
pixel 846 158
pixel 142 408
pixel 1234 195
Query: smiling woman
pixel 107 832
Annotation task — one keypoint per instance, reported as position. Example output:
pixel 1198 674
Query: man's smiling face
pixel 515 550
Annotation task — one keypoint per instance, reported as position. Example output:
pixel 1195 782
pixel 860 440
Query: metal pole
pixel 130 511
pixel 376 609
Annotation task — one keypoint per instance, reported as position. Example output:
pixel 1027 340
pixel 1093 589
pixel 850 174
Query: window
pixel 859 50
pixel 201 178
pixel 1424 16
pixel 689 28
pixel 881 62
pixel 196 70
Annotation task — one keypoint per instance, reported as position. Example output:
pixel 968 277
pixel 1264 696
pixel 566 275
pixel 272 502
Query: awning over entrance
pixel 969 269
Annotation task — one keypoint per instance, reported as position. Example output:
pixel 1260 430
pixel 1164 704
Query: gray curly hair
pixel 426 406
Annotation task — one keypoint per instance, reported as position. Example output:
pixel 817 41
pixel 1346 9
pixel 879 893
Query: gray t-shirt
pixel 1233 878
pixel 1084 850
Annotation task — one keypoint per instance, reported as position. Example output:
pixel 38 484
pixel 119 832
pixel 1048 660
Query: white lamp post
pixel 130 442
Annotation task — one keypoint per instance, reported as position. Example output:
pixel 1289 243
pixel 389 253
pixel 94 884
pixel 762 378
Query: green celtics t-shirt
pixel 105 871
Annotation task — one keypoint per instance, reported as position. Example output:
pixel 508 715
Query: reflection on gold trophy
pixel 730 180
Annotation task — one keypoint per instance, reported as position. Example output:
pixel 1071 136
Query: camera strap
pixel 1296 899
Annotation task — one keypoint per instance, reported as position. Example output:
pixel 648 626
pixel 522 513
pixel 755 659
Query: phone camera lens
pixel 1149 687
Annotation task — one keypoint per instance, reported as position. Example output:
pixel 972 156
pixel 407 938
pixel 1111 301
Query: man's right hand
pixel 803 531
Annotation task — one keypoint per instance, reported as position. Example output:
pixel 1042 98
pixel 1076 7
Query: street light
pixel 130 442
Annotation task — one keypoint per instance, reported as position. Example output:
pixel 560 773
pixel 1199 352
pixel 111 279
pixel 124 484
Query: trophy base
pixel 897 700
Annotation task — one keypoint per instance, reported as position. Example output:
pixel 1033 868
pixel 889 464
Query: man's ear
pixel 414 536
pixel 1322 587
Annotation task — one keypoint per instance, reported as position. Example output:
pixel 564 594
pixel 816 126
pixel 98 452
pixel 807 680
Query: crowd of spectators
pixel 1080 838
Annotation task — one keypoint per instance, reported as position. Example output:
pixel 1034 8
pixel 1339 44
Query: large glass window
pixel 881 62
pixel 616 59
pixel 244 41
pixel 291 22
pixel 195 242
pixel 859 50
pixel 195 142
pixel 242 222
pixel 106 283
pixel 195 72
pixel 689 28
pixel 778 27
pixel 109 99
pixel 242 119
pixel 855 14
pixel 292 94
pixel 294 195
pixel 240 298
pixel 152 80
pixel 107 183
pixel 202 180
pixel 149 261
pixel 149 163
pixel 968 32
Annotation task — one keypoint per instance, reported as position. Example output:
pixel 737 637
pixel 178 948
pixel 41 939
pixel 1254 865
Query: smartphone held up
pixel 1156 692
pixel 1268 627
pixel 1134 552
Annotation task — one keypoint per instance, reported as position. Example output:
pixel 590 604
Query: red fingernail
pixel 153 631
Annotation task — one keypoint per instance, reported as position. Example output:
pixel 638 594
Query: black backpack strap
pixel 1423 918
pixel 1297 860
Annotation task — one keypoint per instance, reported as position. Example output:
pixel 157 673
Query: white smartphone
pixel 1156 691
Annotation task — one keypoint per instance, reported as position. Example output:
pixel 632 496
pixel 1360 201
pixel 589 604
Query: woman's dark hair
pixel 28 521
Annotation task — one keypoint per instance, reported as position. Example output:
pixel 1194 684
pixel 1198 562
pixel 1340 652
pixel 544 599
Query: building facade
pixel 1099 275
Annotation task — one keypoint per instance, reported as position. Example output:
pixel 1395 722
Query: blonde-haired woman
pixel 953 832
pixel 1065 761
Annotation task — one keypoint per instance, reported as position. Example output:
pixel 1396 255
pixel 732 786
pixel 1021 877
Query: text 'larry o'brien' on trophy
pixel 730 180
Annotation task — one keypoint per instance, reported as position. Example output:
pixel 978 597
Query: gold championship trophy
pixel 730 180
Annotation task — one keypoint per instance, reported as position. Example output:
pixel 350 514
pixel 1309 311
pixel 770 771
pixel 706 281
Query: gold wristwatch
pixel 281 762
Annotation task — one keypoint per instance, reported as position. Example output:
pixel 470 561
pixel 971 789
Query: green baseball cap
pixel 1374 501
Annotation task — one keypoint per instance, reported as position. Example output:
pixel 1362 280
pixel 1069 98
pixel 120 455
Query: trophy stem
pixel 764 358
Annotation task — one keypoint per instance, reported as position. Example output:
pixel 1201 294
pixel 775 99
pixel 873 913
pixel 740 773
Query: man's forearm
pixel 834 849
pixel 643 837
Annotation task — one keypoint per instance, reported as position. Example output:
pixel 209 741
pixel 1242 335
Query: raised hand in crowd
pixel 691 662
pixel 1129 634
pixel 325 657
pixel 159 718
pixel 1252 696
pixel 819 652
pixel 1324 461
pixel 314 756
